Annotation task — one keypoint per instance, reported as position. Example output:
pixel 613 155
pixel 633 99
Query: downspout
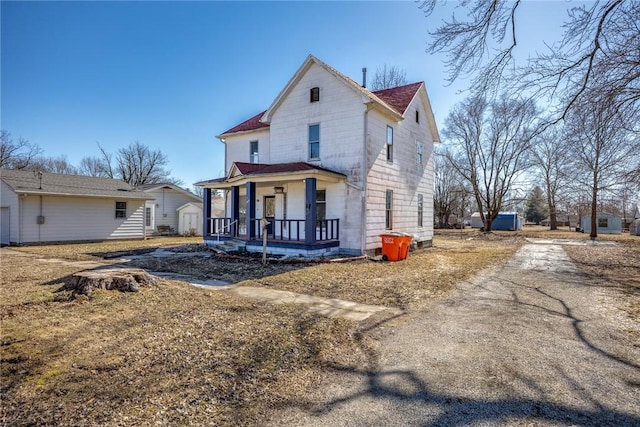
pixel 365 164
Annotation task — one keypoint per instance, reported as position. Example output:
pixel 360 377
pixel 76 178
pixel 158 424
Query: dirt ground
pixel 537 342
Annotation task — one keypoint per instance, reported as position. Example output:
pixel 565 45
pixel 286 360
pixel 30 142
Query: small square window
pixel 314 94
pixel 603 222
pixel 121 209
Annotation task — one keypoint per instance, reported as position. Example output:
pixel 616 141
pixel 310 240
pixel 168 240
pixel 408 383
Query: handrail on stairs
pixel 228 226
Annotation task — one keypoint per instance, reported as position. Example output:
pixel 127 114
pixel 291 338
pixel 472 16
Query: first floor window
pixel 314 141
pixel 253 151
pixel 603 222
pixel 420 210
pixel 389 210
pixel 321 205
pixel 147 217
pixel 121 209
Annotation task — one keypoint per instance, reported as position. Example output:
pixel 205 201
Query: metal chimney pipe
pixel 364 77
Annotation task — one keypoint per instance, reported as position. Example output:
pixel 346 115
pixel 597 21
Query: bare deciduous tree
pixel 490 148
pixel 598 52
pixel 93 166
pixel 58 164
pixel 449 193
pixel 552 156
pixel 388 76
pixel 605 145
pixel 18 154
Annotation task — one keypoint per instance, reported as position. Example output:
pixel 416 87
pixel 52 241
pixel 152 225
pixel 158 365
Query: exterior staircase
pixel 227 246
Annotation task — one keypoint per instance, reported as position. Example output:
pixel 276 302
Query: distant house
pixel 330 166
pixel 47 207
pixel 606 224
pixel 173 210
pixel 507 221
pixel 634 229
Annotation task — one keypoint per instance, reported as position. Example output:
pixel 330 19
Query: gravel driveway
pixel 529 344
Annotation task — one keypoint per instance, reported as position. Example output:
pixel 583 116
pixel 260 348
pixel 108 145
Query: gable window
pixel 603 222
pixel 417 116
pixel 314 141
pixel 314 94
pixel 389 144
pixel 121 209
pixel 253 152
pixel 388 221
pixel 420 211
pixel 418 152
pixel 321 205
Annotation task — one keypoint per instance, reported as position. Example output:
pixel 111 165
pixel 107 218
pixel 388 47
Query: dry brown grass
pixel 171 355
pixel 180 355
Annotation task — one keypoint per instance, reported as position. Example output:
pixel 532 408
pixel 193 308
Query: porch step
pixel 228 246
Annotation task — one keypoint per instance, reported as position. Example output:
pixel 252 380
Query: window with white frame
pixel 420 211
pixel 389 144
pixel 147 217
pixel 321 205
pixel 388 222
pixel 121 209
pixel 419 149
pixel 253 151
pixel 314 142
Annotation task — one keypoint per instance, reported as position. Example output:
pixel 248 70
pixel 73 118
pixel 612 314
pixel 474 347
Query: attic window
pixel 417 116
pixel 314 94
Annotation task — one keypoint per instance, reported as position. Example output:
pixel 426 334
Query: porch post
pixel 206 210
pixel 235 210
pixel 251 210
pixel 311 214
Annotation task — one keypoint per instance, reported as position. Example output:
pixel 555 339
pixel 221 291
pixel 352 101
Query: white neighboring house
pixel 330 165
pixel 47 207
pixel 168 212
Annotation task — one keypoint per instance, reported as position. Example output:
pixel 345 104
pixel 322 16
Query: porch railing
pixel 279 229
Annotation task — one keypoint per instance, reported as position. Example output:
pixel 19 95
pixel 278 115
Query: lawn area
pixel 175 354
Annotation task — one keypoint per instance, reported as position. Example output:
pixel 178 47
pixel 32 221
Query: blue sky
pixel 172 75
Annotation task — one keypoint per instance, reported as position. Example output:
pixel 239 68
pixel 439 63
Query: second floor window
pixel 418 152
pixel 314 142
pixel 253 152
pixel 389 144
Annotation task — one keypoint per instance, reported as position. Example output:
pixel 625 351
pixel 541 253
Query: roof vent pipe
pixel 364 77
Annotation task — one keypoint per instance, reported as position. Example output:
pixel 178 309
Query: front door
pixel 270 212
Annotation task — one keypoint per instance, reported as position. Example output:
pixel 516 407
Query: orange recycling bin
pixel 395 246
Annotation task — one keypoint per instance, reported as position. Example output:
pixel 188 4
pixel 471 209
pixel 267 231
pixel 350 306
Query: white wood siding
pixel 77 218
pixel 238 147
pixel 404 176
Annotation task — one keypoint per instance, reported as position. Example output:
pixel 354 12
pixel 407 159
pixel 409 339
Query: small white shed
pixel 190 219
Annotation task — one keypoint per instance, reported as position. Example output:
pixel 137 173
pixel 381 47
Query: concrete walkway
pixel 329 307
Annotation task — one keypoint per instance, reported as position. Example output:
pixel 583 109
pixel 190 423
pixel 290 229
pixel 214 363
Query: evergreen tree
pixel 536 209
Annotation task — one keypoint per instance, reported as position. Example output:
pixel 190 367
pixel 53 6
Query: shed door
pixel 190 221
pixel 5 233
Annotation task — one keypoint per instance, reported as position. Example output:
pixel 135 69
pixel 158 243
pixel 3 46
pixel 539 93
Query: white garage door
pixel 4 226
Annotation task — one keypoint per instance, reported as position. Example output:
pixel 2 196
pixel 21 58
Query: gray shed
pixel 607 224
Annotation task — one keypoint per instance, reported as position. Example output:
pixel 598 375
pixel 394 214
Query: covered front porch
pixel 289 203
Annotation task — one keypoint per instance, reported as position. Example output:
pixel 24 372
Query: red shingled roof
pixel 252 124
pixel 399 97
pixel 266 169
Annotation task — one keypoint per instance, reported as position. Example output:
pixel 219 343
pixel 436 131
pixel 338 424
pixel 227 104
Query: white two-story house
pixel 330 166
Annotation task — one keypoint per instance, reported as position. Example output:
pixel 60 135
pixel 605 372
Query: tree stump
pixel 120 279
